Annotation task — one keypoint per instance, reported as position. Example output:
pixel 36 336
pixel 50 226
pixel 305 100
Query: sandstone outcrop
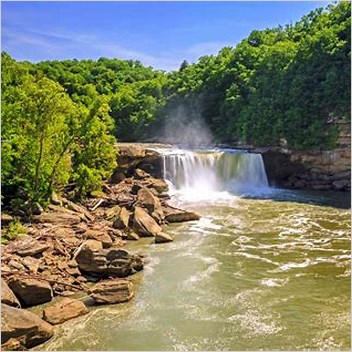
pixel 112 292
pixel 177 215
pixel 311 169
pixel 163 238
pixel 144 224
pixel 31 292
pixel 92 258
pixel 64 310
pixel 7 296
pixel 122 219
pixel 22 329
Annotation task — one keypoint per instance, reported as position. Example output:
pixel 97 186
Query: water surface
pixel 264 269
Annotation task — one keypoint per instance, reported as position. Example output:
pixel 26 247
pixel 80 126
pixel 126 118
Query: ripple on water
pixel 253 323
pixel 201 275
pixel 274 282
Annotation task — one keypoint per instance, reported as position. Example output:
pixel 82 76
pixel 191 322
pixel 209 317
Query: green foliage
pixel 280 83
pixel 132 90
pixel 13 231
pixel 46 136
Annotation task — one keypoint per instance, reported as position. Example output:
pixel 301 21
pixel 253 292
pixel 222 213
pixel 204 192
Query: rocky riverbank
pixel 69 248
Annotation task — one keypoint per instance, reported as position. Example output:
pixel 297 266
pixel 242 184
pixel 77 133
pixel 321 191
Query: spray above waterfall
pixel 185 126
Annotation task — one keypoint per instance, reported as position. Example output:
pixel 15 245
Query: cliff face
pixel 318 170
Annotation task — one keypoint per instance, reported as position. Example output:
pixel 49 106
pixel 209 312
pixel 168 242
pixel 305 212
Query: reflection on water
pixel 252 274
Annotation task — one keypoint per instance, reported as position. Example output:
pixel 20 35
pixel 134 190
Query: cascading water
pixel 214 171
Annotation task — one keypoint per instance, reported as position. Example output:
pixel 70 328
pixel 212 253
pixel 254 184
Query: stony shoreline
pixel 71 247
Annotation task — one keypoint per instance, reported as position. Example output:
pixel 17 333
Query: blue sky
pixel 159 34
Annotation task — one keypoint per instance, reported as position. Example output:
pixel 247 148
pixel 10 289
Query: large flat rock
pixel 64 310
pixel 21 328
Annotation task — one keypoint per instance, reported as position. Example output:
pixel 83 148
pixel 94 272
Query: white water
pixel 214 174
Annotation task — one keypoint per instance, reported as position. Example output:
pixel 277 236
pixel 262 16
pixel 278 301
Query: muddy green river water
pixel 266 273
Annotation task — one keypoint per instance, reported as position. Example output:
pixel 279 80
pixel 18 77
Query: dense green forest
pixel 281 85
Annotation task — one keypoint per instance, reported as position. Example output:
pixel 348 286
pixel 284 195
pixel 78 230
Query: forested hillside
pixel 280 85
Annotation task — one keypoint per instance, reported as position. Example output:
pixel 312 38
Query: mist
pixel 184 126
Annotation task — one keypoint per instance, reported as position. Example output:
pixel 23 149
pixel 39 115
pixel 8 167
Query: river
pixel 264 268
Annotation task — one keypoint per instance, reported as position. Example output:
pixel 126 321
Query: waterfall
pixel 214 171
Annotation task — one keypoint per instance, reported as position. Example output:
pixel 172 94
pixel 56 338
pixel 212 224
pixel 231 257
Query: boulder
pixel 89 257
pixel 112 291
pixel 72 264
pixel 163 238
pixel 16 265
pixel 158 215
pixel 21 328
pixel 117 176
pixel 106 262
pixel 63 310
pixel 137 186
pixel 13 345
pixel 158 184
pixel 7 296
pixel 63 232
pixel 132 236
pixel 146 199
pixel 32 264
pixel 28 246
pixel 81 210
pixel 31 292
pixel 63 218
pixel 73 272
pixel 121 221
pixel 100 236
pixel 140 174
pixel 110 213
pixel 121 263
pixel 132 151
pixel 178 215
pixel 144 224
